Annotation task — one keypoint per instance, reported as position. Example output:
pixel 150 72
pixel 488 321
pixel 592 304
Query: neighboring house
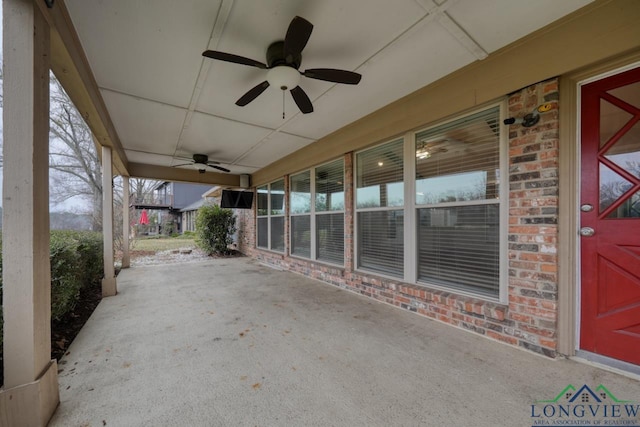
pixel 168 200
pixel 189 213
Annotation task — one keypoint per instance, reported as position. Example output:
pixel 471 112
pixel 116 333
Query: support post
pixel 109 287
pixel 126 228
pixel 30 394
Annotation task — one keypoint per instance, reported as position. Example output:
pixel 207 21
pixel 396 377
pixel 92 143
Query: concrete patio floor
pixel 229 342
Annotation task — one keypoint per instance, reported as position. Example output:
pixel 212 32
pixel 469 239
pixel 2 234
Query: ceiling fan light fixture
pixel 423 153
pixel 283 77
pixel 200 167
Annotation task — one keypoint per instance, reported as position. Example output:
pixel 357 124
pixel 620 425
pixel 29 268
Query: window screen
pixel 329 194
pixel 330 238
pixel 379 193
pixel 457 195
pixel 317 229
pixel 300 202
pixel 381 242
pixel 271 216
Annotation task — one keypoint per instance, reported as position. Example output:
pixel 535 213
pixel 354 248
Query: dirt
pixel 64 331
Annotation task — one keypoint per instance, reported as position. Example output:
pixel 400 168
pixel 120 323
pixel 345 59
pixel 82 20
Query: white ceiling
pixel 166 100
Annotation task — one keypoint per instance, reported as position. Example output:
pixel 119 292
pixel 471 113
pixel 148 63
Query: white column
pixel 109 287
pixel 125 223
pixel 30 392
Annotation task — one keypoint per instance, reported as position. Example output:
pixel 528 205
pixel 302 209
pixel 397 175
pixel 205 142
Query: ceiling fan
pixel 283 62
pixel 201 163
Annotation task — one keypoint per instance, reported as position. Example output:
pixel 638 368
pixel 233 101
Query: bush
pixel 90 248
pixel 214 229
pixel 76 261
pixel 65 274
pixel 188 235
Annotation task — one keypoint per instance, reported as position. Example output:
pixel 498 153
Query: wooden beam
pixel 141 170
pixel 30 394
pixel 71 68
pixel 109 284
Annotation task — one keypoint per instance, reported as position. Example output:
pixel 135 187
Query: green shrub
pixel 65 273
pixel 76 261
pixel 90 248
pixel 214 229
pixel 188 235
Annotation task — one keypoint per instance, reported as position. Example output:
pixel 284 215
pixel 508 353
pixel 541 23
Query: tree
pixel 75 168
pixel 138 189
pixel 73 158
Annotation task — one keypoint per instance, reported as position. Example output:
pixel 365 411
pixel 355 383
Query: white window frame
pixel 410 209
pixel 313 214
pixel 269 215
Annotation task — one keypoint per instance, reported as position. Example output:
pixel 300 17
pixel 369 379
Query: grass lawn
pixel 156 245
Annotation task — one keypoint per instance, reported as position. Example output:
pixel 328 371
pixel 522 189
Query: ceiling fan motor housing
pixel 201 158
pixel 275 56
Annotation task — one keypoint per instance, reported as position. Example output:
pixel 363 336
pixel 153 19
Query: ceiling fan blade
pixel 229 57
pixel 296 39
pixel 184 164
pixel 220 168
pixel 252 94
pixel 333 75
pixel 302 100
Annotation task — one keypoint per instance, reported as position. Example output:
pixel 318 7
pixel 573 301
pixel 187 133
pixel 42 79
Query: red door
pixel 610 217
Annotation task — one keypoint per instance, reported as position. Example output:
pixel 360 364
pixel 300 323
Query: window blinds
pixel 458 164
pixel 380 224
pixel 379 178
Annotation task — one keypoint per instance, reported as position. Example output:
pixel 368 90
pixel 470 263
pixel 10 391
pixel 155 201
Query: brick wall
pixel 529 318
pixel 247 228
pixel 533 219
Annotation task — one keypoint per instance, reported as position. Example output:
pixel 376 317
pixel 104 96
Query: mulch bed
pixel 63 331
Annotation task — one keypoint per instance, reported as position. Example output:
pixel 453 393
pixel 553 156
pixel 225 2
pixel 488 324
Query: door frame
pixel 568 326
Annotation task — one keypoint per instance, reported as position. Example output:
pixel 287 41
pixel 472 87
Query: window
pixel 457 188
pixel 271 216
pixel 316 198
pixel 300 202
pixel 428 206
pixel 329 209
pixel 380 209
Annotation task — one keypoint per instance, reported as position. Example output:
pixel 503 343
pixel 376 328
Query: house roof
pixel 195 205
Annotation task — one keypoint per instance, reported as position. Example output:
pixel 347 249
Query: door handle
pixel 587 231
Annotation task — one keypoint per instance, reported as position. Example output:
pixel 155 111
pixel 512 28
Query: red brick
pixel 519 317
pixel 548 343
pixel 402 299
pixel 539 312
pixel 504 338
pixel 549 267
pixel 540 332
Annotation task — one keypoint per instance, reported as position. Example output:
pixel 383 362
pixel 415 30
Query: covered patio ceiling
pixel 161 101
